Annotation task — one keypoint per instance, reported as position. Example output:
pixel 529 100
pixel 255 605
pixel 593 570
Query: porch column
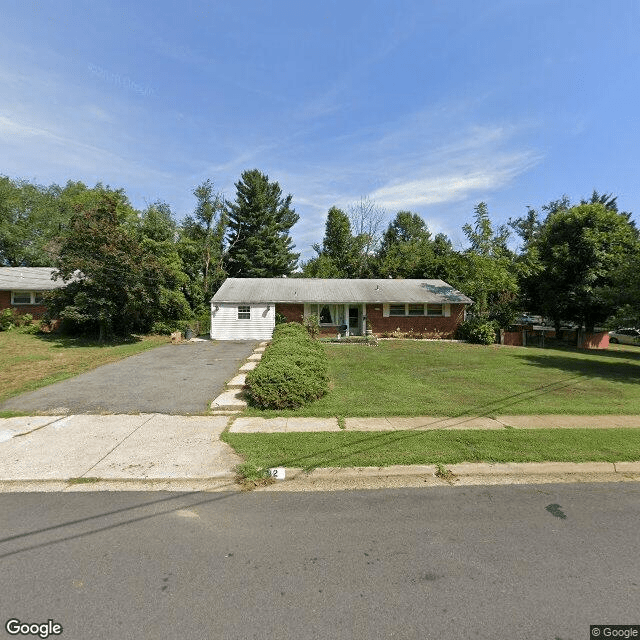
pixel 346 316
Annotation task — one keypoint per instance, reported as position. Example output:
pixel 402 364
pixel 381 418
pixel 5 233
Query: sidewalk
pixel 152 452
pixel 289 425
pixel 125 452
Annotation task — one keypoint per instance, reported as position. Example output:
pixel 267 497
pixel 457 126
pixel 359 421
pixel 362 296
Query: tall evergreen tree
pixel 259 223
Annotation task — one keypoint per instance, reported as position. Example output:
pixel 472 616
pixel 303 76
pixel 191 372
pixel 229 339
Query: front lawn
pixel 385 448
pixel 28 362
pixel 420 378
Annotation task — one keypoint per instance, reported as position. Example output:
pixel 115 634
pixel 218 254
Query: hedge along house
pixel 21 288
pixel 246 308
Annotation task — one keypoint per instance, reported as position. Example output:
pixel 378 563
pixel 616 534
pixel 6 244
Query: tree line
pixel 131 270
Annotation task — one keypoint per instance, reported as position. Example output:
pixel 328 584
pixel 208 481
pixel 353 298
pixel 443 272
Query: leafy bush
pixel 292 372
pixel 204 322
pixel 477 331
pixel 282 384
pixel 163 328
pixel 10 319
pixel 31 328
pixel 7 319
pixel 432 334
pixel 287 329
pixel 24 319
pixel 371 341
pixel 312 325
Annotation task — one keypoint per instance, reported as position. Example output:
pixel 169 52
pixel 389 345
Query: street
pixel 488 562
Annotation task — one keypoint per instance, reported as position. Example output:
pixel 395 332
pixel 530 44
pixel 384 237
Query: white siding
pixel 226 326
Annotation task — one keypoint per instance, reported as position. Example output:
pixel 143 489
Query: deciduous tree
pixel 406 249
pixel 583 251
pixel 336 257
pixel 112 283
pixel 202 245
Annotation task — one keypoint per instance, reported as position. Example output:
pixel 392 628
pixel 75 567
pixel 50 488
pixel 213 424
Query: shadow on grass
pixel 369 442
pixel 619 366
pixel 62 341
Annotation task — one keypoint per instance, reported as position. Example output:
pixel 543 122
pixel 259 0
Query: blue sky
pixel 430 106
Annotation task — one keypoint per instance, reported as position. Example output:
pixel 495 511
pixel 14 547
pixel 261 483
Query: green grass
pixel 83 480
pixel 28 362
pixel 414 378
pixel 381 449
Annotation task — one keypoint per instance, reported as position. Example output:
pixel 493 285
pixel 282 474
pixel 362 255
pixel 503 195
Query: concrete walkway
pixel 289 425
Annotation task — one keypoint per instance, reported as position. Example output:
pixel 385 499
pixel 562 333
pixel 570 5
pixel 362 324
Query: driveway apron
pixel 177 379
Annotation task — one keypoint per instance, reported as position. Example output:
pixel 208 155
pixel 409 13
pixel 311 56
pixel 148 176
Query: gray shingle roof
pixel 28 279
pixel 254 290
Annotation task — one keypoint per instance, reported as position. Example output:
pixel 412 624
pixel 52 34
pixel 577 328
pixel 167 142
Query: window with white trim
pixel 244 312
pixel 411 309
pixel 328 314
pixel 26 297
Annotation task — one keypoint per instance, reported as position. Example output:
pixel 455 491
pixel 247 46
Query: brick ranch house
pixel 245 308
pixel 21 288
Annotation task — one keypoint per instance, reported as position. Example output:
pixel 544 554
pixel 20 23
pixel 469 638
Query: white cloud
pixel 404 168
pixel 439 184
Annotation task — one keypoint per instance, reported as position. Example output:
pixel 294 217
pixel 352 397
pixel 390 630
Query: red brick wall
pixel 36 310
pixel 513 338
pixel 446 326
pixel 292 312
pixel 595 341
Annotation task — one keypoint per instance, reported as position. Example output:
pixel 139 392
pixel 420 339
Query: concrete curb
pixel 465 474
pixel 344 478
pixel 222 482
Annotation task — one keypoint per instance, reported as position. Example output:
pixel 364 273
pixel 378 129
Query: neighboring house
pixel 21 288
pixel 246 308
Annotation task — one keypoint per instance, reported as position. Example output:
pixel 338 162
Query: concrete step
pixel 237 382
pixel 232 400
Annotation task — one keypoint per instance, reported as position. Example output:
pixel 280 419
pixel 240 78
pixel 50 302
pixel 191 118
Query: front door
pixel 354 321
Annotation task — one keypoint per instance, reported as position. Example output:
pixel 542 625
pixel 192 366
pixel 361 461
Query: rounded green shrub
pixel 289 329
pixel 282 384
pixel 477 331
pixel 293 370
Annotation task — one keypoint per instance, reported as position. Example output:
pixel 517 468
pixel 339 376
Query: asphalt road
pixel 175 379
pixel 523 562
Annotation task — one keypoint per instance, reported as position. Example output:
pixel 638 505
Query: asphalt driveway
pixel 177 379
